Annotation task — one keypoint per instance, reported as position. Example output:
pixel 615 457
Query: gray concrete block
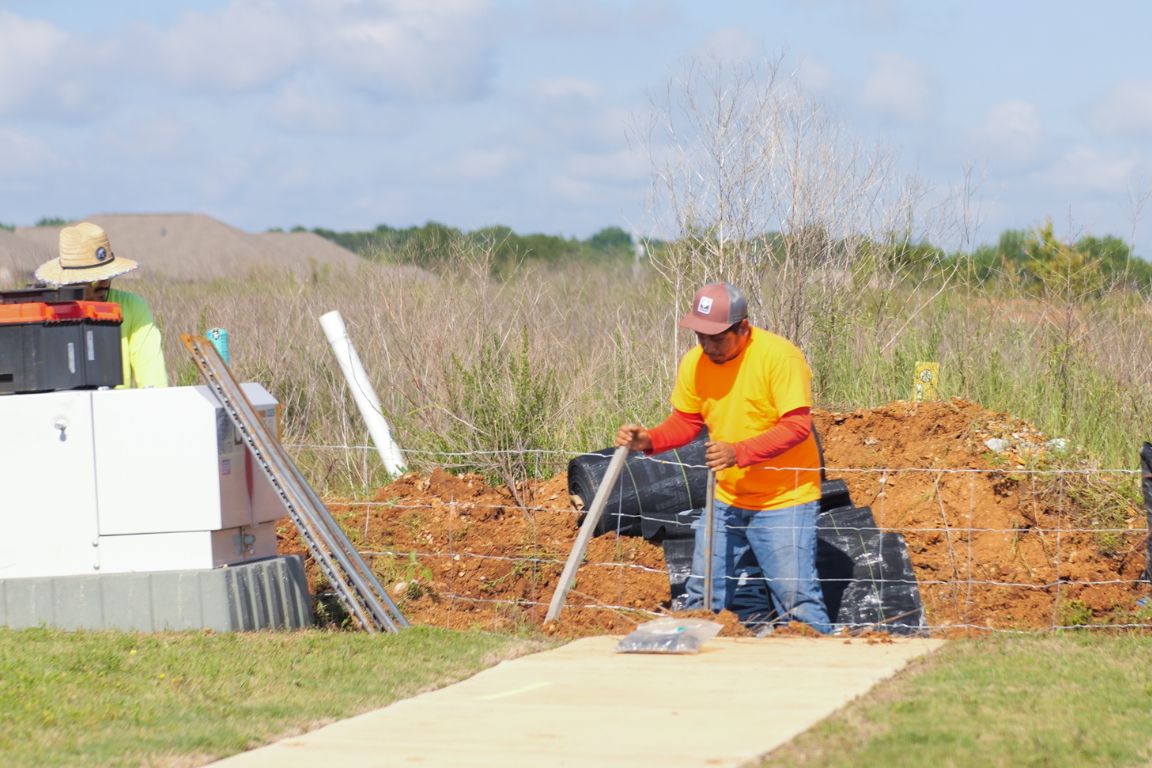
pixel 80 606
pixel 176 600
pixel 127 599
pixel 30 602
pixel 264 594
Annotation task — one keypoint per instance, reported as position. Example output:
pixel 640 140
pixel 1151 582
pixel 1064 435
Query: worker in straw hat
pixel 752 390
pixel 86 258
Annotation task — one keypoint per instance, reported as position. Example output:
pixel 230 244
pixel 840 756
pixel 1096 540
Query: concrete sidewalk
pixel 585 705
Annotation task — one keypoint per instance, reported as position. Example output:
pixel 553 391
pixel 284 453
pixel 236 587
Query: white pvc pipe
pixel 362 392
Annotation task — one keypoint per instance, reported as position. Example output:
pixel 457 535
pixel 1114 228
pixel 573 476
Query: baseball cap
pixel 716 307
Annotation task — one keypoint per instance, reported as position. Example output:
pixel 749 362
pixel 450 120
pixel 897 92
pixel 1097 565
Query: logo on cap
pixel 101 253
pixel 705 305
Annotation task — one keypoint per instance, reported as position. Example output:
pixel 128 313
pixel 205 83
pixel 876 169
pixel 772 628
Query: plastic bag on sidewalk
pixel 669 635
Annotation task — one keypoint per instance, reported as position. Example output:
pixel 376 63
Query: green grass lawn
pixel 126 699
pixel 1037 700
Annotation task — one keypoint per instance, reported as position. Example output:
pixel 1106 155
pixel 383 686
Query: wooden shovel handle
pixel 586 529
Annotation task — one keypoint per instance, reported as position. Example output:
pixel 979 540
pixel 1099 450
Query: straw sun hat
pixel 85 257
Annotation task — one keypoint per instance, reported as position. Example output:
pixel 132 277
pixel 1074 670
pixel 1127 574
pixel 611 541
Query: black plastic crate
pixel 51 356
pixel 43 293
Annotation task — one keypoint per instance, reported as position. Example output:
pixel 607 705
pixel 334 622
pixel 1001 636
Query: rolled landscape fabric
pixel 653 491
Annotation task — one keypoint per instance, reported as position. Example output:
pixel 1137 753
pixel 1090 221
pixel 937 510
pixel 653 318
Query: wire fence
pixel 926 550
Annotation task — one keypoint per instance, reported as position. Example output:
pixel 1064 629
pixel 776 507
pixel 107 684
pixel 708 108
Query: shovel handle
pixel 709 522
pixel 586 529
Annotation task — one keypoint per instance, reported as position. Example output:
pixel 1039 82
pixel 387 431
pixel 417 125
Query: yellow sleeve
pixel 139 342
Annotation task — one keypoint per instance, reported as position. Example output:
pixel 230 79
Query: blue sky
pixel 351 113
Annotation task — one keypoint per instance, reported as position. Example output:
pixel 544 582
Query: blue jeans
pixel 783 542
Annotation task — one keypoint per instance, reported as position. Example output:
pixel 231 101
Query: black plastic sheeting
pixel 865 573
pixel 1146 484
pixel 653 492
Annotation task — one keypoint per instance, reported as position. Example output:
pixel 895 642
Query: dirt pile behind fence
pixel 996 538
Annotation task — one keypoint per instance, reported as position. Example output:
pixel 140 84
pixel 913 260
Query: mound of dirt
pixel 995 543
pixel 186 246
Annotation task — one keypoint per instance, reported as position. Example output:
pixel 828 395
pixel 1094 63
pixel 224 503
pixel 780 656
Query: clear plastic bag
pixel 669 635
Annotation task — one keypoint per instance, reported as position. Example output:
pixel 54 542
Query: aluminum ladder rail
pixel 356 585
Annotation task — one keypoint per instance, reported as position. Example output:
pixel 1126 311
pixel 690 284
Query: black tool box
pixel 57 345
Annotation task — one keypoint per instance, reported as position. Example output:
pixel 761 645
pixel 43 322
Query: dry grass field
pixel 511 377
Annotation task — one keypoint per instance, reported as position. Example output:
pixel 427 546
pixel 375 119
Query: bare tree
pixel 763 189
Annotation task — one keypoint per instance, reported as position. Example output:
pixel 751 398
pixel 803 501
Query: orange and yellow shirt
pixel 743 398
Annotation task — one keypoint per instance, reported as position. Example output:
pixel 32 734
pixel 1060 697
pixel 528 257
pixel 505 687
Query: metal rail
pixel 356 586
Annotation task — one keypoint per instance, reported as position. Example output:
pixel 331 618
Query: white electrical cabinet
pixel 47 485
pixel 114 481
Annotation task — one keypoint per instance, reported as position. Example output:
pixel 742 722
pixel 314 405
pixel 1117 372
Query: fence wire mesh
pixel 1011 548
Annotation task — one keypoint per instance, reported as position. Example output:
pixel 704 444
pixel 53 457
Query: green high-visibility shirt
pixel 143 357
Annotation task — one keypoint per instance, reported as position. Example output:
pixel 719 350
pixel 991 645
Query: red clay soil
pixel 993 545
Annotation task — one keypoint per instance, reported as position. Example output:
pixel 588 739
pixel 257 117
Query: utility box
pixel 131 480
pixel 47 485
pixel 46 346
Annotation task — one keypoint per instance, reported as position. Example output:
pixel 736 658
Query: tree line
pixel 1021 257
pixel 438 246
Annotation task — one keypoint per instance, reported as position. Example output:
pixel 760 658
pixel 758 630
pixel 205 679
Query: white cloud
pixel 897 87
pixel 394 48
pixel 46 72
pixel 599 18
pixel 424 50
pixel 1125 111
pixel 245 46
pixel 30 47
pixel 1011 133
pixel 1087 168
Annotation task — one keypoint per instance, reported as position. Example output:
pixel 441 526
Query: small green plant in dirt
pixel 525 566
pixel 1075 613
pixel 417 578
pixel 1107 503
pixel 1137 613
pixel 502 405
pixel 405 577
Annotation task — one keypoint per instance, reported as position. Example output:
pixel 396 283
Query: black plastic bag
pixel 653 491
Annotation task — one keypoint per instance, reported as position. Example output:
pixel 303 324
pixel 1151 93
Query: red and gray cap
pixel 716 307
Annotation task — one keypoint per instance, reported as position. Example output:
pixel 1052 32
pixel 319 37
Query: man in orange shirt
pixel 753 390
